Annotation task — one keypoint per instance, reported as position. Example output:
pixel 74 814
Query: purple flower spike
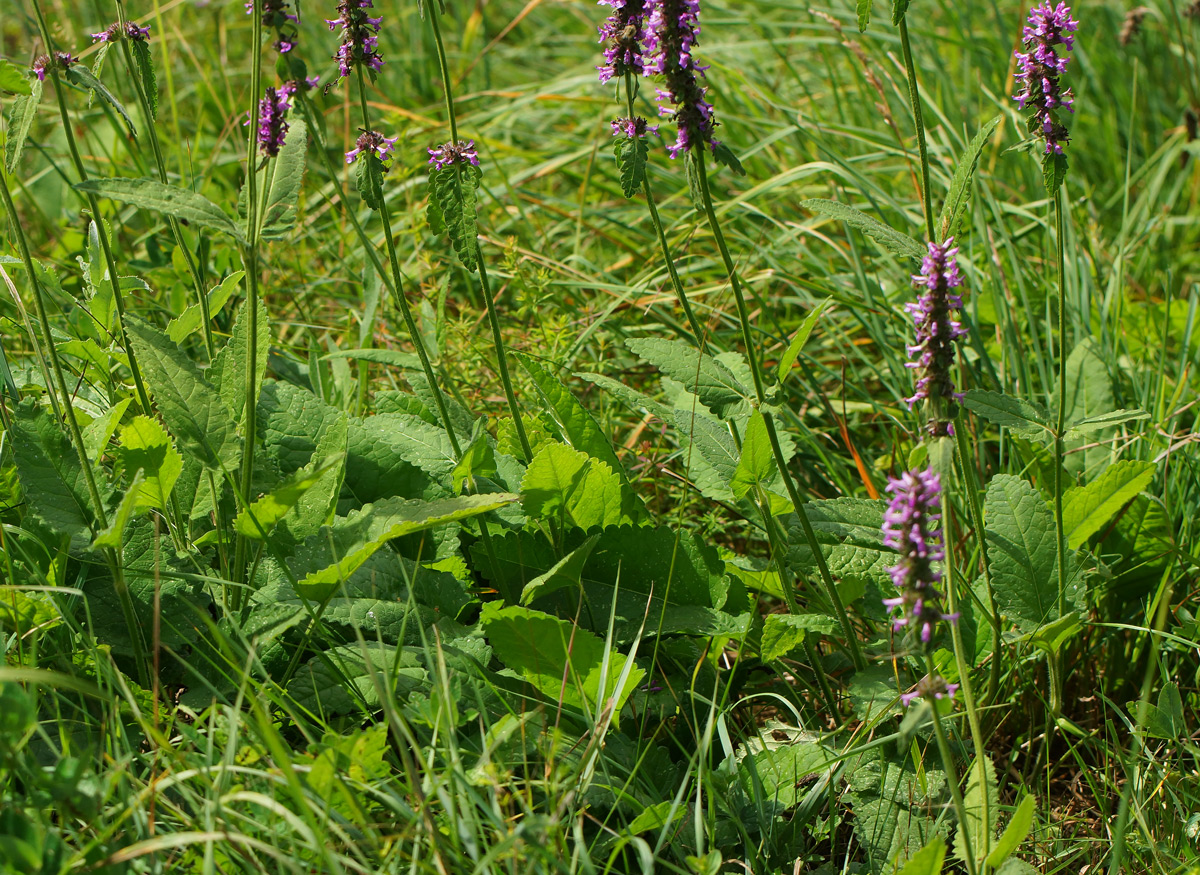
pixel 1039 68
pixel 622 34
pixel 632 128
pixel 933 352
pixel 372 142
pixel 448 154
pixel 672 27
pixel 908 528
pixel 359 39
pixel 62 60
pixel 272 118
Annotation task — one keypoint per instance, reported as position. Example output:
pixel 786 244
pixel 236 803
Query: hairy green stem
pixel 656 221
pixel 1061 422
pixel 93 202
pixel 960 808
pixel 914 97
pixel 798 502
pixel 493 317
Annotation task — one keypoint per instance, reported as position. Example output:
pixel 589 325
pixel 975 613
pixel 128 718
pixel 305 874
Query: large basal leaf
pixel 1087 509
pixel 960 185
pixel 329 557
pixel 452 199
pixel 849 531
pixel 571 488
pixel 191 407
pixel 1021 549
pixel 885 235
pixel 291 422
pixel 262 515
pixel 278 217
pixel 783 633
pixel 22 110
pixel 410 439
pixel 352 677
pixel 169 200
pixel 716 386
pixel 894 808
pixel 51 476
pixel 779 776
pixel 561 661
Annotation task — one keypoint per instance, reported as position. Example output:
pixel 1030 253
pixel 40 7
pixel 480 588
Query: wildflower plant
pixel 1039 75
pixel 937 331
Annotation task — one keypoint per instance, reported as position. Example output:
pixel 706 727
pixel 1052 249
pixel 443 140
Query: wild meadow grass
pixel 540 437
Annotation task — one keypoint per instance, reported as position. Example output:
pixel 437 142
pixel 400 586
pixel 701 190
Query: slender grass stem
pixel 1061 421
pixel 489 302
pixel 960 808
pixel 798 502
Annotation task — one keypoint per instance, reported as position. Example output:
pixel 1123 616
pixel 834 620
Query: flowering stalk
pixel 933 352
pixel 54 65
pixel 360 40
pixel 674 25
pixel 672 29
pixel 274 14
pixel 456 147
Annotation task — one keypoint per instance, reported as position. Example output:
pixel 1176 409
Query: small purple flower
pixel 112 33
pixel 272 118
pixel 632 128
pixel 622 34
pixel 359 40
pixel 62 60
pixel 372 142
pixel 283 46
pixel 1039 69
pixel 462 152
pixel 933 352
pixel 908 527
pixel 274 12
pixel 671 30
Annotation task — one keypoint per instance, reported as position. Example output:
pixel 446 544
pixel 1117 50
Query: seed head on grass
pixel 359 37
pixel 622 34
pixel 933 352
pixel 909 528
pixel 672 27
pixel 372 142
pixel 1039 69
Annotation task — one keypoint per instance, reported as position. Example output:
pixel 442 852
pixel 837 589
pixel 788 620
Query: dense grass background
pixel 103 774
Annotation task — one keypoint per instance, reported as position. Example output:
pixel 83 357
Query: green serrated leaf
pixel 693 170
pixel 228 370
pixel 21 112
pixel 349 678
pixel 260 517
pixel 1021 549
pixel 191 406
pixel 1015 833
pixel 51 477
pixel 1054 171
pixel 722 154
pixel 14 79
pixel 478 460
pixel 928 860
pixel 1089 424
pixel 452 204
pixel 411 439
pixel 960 185
pixel 885 235
pixel 1007 411
pixel 783 633
pixel 801 337
pixel 561 661
pixel 368 179
pixel 899 10
pixel 278 217
pixel 631 153
pixel 189 320
pixel 756 465
pixel 170 200
pixel 715 384
pixel 863 12
pixel 144 62
pixel 981 804
pixel 1087 509
pixel 146 447
pixel 572 488
pixel 627 395
pixel 114 535
pixel 81 76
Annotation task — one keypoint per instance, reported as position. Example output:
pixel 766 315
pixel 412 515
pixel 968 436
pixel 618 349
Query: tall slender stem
pixel 161 165
pixel 693 322
pixel 485 286
pixel 914 97
pixel 798 502
pixel 396 286
pixel 1060 428
pixel 960 808
pixel 94 205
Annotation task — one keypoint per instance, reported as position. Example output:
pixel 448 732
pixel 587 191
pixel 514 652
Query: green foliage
pixel 453 191
pixel 22 110
pixel 631 155
pixel 886 236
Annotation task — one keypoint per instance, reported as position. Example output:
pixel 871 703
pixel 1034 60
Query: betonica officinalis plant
pixel 598 437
